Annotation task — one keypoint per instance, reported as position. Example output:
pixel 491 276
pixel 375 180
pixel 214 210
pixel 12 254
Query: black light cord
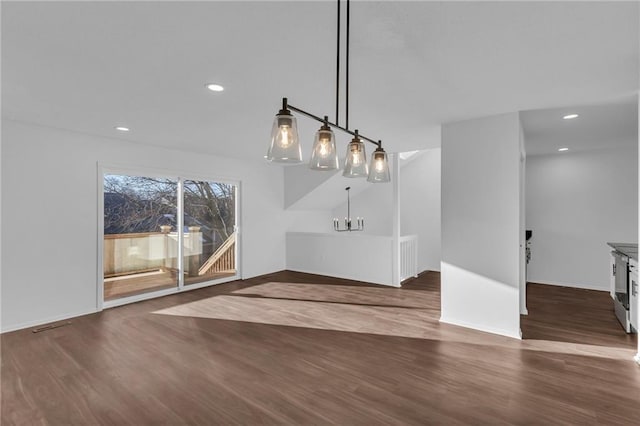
pixel 338 68
pixel 347 65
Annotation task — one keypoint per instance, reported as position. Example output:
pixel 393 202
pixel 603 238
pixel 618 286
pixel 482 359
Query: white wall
pixel 341 255
pixel 420 206
pixel 299 180
pixel 480 224
pixel 309 220
pixel 576 203
pixel 49 211
pixel 1 273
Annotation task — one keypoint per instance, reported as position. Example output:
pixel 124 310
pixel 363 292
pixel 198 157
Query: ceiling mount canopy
pixel 285 143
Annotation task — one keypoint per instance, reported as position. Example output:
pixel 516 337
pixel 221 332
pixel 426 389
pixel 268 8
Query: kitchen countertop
pixel 628 249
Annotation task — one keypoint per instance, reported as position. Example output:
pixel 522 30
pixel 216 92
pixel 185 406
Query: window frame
pixel 180 177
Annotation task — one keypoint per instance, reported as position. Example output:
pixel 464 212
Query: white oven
pixel 633 294
pixel 621 297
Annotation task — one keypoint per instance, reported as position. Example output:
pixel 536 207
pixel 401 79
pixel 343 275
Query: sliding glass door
pixel 161 234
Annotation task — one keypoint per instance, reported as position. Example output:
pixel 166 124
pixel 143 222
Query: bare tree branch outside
pixel 136 204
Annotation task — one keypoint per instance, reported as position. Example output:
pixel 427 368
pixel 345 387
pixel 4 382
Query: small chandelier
pixel 285 143
pixel 348 224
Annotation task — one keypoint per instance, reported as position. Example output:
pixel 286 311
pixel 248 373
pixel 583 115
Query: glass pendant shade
pixel 285 144
pixel 355 165
pixel 379 168
pixel 324 155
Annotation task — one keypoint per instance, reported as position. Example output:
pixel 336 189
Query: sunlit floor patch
pixel 405 322
pixel 349 294
pixel 361 309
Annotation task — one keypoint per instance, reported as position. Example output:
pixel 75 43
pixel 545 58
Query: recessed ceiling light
pixel 570 116
pixel 563 149
pixel 214 87
pixel 122 129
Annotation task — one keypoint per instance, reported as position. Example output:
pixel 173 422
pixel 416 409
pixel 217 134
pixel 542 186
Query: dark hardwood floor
pixel 292 348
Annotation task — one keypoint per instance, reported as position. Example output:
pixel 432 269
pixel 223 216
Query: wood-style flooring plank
pixel 291 348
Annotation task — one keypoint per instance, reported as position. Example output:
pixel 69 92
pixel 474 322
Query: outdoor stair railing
pixel 222 260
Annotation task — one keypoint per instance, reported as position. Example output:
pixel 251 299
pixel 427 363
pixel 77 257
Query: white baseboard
pixel 491 330
pixel 571 285
pixel 34 323
pixel 352 278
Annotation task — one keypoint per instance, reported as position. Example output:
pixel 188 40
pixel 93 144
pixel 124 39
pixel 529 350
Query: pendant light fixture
pixel 355 163
pixel 285 144
pixel 379 168
pixel 324 155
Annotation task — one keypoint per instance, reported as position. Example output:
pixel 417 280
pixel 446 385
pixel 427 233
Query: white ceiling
pixel 607 125
pixel 89 66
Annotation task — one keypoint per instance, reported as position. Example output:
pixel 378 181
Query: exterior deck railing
pixel 133 253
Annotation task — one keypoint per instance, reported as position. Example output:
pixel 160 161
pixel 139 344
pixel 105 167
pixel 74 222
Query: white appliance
pixel 621 297
pixel 633 295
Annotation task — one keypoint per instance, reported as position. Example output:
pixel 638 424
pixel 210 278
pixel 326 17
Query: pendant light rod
pixel 347 66
pixel 348 188
pixel 286 105
pixel 338 67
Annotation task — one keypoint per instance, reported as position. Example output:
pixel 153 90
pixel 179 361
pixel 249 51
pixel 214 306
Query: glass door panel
pixel 209 230
pixel 140 247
